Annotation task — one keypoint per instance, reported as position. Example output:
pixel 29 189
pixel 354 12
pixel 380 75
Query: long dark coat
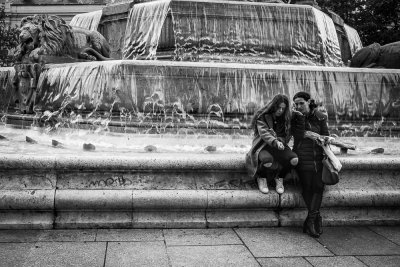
pixel 310 154
pixel 265 135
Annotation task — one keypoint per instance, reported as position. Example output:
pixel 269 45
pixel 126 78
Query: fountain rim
pixel 164 161
pixel 221 65
pixel 233 2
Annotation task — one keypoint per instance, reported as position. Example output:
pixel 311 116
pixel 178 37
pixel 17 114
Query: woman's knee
pixel 267 164
pixel 294 161
pixel 266 159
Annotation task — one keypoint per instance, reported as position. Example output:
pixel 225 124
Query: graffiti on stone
pixel 114 181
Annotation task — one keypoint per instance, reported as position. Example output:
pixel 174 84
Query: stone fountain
pixel 202 66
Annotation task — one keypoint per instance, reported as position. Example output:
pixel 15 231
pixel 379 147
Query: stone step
pixel 154 190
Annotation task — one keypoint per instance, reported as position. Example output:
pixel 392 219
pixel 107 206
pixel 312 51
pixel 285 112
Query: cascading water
pixel 6 92
pixel 238 89
pixel 229 32
pixel 217 97
pixel 353 38
pixel 329 42
pixel 89 21
pixel 143 29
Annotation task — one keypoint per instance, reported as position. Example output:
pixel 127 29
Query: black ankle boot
pixel 318 223
pixel 309 224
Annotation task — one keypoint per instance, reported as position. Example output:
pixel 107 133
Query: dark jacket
pixel 309 152
pixel 264 136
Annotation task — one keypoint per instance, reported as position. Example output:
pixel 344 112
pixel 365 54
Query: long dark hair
pixel 270 108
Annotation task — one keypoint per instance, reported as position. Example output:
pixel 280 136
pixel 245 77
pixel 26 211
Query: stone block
pixel 371 163
pixel 117 8
pixel 137 254
pixel 27 199
pixel 93 219
pixel 53 254
pixel 203 237
pixel 379 197
pixel 280 242
pixel 241 199
pixel 26 162
pixel 151 161
pixel 279 262
pixel 169 200
pixel 335 261
pixel 22 180
pixel 378 261
pixel 133 235
pixel 169 219
pixel 369 188
pixel 228 180
pixel 25 219
pixel 127 180
pixel 241 218
pixel 357 241
pixel 93 200
pixel 391 233
pixel 225 255
pixel 344 216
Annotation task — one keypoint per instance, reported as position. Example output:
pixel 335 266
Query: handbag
pixel 330 175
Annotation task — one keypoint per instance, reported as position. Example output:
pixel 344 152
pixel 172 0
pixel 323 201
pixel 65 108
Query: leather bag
pixel 330 175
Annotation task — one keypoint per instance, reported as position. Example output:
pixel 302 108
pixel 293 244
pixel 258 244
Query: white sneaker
pixel 262 185
pixel 279 185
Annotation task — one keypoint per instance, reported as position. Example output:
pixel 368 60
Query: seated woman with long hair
pixel 270 153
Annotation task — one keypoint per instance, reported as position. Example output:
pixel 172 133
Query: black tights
pixel 313 189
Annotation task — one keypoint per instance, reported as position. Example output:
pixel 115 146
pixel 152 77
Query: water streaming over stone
pixel 6 92
pixel 239 89
pixel 328 43
pixel 233 31
pixel 89 21
pixel 207 94
pixel 353 38
pixel 143 29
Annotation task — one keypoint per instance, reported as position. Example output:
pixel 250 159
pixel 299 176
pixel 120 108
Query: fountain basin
pixel 198 88
pixel 228 31
pixel 183 191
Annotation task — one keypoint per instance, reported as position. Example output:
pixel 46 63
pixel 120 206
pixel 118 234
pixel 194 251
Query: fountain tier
pixel 228 31
pixel 347 93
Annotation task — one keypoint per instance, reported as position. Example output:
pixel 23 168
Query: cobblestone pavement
pixel 283 246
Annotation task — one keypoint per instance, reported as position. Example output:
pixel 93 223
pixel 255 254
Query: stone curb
pixel 55 192
pixel 160 161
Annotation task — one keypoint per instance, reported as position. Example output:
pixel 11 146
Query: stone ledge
pixel 241 199
pixel 169 199
pixel 370 197
pixel 169 219
pixel 93 200
pixel 93 219
pixel 26 179
pixel 201 200
pixel 241 218
pixel 344 216
pixel 165 162
pixel 27 199
pixel 173 200
pixel 26 219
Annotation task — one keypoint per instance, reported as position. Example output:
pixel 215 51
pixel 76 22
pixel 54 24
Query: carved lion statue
pixel 377 56
pixel 51 36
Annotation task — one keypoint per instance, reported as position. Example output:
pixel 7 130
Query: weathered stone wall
pixel 183 191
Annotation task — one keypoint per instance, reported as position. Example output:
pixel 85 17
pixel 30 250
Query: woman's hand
pixel 280 145
pixel 328 140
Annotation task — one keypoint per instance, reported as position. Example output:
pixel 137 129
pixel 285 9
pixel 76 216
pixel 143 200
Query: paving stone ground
pixel 280 246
